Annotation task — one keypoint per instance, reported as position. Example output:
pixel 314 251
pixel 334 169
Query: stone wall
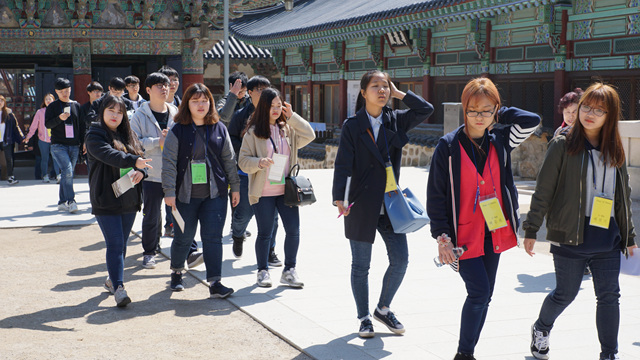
pixel 525 160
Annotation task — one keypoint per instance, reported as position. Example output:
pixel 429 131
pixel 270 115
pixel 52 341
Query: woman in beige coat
pixel 274 134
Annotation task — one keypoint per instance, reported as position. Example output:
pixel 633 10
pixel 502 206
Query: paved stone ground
pixel 320 319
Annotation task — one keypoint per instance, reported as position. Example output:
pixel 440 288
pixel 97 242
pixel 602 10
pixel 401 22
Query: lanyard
pixel 275 148
pixel 206 139
pixel 593 167
pixel 473 152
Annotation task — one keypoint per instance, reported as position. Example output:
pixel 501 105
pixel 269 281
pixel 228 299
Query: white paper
pixel 123 184
pixel 67 109
pixel 345 203
pixel 276 170
pixel 178 218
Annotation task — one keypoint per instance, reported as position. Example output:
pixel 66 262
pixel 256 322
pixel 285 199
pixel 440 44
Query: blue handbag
pixel 405 211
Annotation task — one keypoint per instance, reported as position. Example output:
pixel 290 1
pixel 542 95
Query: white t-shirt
pixel 3 127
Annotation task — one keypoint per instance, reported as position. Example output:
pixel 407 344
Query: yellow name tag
pixel 601 212
pixel 492 213
pixel 391 180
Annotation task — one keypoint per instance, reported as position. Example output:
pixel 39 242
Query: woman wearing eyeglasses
pixel 583 191
pixel 472 199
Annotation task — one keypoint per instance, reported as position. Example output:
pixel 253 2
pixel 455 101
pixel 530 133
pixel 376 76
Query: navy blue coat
pixel 443 205
pixel 12 134
pixel 364 161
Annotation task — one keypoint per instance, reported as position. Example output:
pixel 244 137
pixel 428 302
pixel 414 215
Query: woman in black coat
pixel 10 135
pixel 370 141
pixel 114 151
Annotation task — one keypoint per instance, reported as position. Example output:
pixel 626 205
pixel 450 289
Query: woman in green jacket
pixel 584 173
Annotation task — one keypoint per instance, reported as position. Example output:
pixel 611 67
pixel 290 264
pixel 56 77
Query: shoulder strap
pixel 371 135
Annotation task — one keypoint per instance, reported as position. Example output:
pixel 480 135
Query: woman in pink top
pixel 274 134
pixel 44 143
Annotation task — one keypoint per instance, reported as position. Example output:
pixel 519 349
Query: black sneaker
pixel 366 329
pixel 390 320
pixel 237 246
pixel 461 356
pixel 539 343
pixel 273 259
pixel 247 233
pixel 219 291
pixel 177 284
pixel 194 259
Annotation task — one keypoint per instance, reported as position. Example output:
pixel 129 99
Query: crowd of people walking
pixel 203 158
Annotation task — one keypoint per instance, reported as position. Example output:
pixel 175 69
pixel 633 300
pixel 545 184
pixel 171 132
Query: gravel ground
pixel 53 306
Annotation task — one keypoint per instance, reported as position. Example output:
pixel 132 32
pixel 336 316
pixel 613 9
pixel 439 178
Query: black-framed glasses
pixel 587 109
pixel 480 113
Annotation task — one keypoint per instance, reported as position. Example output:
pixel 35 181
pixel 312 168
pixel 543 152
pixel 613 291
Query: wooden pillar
pixel 192 64
pixel 81 69
pixel 560 76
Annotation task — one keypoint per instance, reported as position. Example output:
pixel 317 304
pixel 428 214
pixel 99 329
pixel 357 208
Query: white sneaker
pixel 290 277
pixel 45 179
pixel 73 207
pixel 264 279
pixel 109 285
pixel 122 299
pixel 58 178
pixel 63 207
pixel 12 181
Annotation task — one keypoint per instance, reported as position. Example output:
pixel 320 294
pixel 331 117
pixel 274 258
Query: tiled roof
pixel 314 21
pixel 238 50
pixel 314 15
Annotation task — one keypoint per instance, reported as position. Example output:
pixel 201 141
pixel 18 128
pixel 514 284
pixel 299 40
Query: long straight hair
pixel 259 120
pixel 602 96
pixel 123 139
pixel 4 110
pixel 474 88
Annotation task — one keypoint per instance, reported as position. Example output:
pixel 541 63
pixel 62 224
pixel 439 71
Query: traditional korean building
pixel 535 50
pixel 98 39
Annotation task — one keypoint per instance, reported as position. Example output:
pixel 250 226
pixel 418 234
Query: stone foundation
pixel 525 160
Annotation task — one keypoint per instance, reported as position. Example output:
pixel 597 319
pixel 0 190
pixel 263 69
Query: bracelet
pixel 443 240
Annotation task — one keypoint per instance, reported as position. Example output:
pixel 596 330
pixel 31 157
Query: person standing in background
pixel 44 141
pixel 133 91
pixel 235 99
pixel 10 134
pixel 174 85
pixel 67 137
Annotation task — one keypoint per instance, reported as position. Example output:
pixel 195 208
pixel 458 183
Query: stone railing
pixel 630 133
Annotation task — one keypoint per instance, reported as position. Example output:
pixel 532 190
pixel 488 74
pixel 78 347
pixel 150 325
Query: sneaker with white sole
pixel 122 299
pixel 194 259
pixel 219 291
pixel 264 279
pixel 390 320
pixel 12 181
pixel 109 285
pixel 63 207
pixel 45 179
pixel 539 343
pixel 73 207
pixel 177 284
pixel 58 178
pixel 290 277
pixel 149 261
pixel 273 259
pixel 366 329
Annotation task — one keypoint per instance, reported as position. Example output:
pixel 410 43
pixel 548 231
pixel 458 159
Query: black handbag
pixel 298 190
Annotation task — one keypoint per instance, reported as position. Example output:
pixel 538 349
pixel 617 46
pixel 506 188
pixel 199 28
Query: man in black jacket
pixel 67 136
pixel 116 88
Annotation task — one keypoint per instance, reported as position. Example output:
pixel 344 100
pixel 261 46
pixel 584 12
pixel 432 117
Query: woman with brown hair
pixel 472 200
pixel 44 141
pixel 583 192
pixel 197 168
pixel 568 107
pixel 10 134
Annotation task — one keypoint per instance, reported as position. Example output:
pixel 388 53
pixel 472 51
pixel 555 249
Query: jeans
pixel 265 212
pixel 8 158
pixel 116 229
pixel 45 151
pixel 479 276
pixel 242 213
pixel 152 197
pixel 605 269
pixel 66 156
pixel 211 213
pixel 398 254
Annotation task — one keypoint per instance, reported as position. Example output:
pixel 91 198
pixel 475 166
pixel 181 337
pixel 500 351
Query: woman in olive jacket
pixel 584 174
pixel 114 150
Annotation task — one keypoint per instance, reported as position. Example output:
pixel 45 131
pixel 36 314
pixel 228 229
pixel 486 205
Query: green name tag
pixel 281 182
pixel 198 172
pixel 124 172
